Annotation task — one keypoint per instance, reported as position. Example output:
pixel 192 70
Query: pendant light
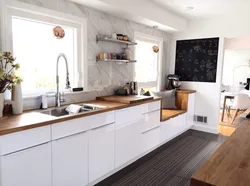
pixel 155 47
pixel 58 31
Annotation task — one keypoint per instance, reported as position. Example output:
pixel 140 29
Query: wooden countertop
pixel 32 119
pixel 168 114
pixel 230 164
pixel 126 99
pixel 186 91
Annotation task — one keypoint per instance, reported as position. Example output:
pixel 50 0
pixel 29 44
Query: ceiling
pixel 142 11
pixel 170 15
pixel 206 9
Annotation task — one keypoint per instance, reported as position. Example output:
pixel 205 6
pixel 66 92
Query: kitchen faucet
pixel 59 100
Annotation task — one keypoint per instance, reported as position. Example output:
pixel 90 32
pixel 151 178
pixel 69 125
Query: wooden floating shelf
pixel 115 41
pixel 116 61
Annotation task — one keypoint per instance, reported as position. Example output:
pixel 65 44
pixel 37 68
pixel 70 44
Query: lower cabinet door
pixel 166 130
pixel 128 141
pixel 151 120
pixel 30 167
pixel 150 139
pixel 101 151
pixel 70 160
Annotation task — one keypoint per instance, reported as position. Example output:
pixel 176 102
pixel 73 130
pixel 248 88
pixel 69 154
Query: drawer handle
pixel 71 135
pixel 129 123
pixel 95 128
pixel 150 129
pixel 27 148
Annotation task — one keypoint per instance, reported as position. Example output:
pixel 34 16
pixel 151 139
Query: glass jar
pixel 128 53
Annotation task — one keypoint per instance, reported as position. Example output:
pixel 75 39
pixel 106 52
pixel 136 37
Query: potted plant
pixel 8 76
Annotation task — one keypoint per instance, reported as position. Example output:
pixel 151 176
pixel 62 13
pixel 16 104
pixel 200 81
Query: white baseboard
pixel 205 128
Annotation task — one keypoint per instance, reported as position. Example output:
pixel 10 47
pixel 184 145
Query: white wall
pixel 236 63
pixel 208 94
pixel 236 68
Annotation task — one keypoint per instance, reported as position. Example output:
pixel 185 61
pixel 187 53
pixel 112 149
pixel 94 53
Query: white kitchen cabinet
pixel 190 112
pixel 173 127
pixel 151 120
pixel 128 115
pixel 29 167
pixel 101 151
pixel 150 139
pixel 180 124
pixel 25 139
pixel 71 127
pixel 165 130
pixel 128 140
pixel 150 107
pixel 150 130
pixel 70 160
pixel 177 125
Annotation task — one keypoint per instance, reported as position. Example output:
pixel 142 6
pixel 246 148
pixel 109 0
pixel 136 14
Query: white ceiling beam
pixel 142 11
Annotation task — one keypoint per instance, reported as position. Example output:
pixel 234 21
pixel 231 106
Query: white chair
pixel 240 103
pixel 245 92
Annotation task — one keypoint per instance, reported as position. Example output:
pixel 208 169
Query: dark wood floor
pixel 172 164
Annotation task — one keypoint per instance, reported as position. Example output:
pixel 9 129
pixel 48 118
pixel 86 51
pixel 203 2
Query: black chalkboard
pixel 196 60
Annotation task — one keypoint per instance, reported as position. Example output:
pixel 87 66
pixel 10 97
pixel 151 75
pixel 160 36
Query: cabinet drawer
pixel 128 115
pixel 102 119
pixel 151 120
pixel 21 140
pixel 75 126
pixel 153 106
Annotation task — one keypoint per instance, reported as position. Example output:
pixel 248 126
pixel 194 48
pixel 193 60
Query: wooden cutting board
pixel 125 99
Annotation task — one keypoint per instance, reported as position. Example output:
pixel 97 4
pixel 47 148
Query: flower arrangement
pixel 8 70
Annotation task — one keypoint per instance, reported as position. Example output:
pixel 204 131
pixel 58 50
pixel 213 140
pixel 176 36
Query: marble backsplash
pixel 103 78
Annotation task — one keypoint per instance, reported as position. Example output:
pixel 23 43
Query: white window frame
pixel 14 8
pixel 159 41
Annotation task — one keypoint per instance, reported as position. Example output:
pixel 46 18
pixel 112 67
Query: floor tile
pixel 142 176
pixel 172 164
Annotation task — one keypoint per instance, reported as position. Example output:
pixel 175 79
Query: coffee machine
pixel 173 82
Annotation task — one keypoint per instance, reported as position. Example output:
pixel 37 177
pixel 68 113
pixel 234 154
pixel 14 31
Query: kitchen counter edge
pixel 11 123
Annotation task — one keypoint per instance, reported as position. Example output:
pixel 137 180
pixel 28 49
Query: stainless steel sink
pixel 89 107
pixel 59 112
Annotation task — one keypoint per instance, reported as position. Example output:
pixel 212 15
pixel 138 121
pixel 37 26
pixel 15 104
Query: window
pixel 36 49
pixel 148 66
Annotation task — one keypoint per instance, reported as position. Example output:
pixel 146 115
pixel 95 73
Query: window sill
pixel 53 94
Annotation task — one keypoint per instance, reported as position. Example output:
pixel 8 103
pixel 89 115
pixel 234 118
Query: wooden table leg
pixel 223 110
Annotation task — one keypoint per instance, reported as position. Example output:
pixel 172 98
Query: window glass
pixel 37 50
pixel 147 62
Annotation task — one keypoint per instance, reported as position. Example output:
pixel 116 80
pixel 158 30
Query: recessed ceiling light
pixel 189 8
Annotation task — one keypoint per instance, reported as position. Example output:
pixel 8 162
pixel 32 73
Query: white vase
pixel 1 104
pixel 17 104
